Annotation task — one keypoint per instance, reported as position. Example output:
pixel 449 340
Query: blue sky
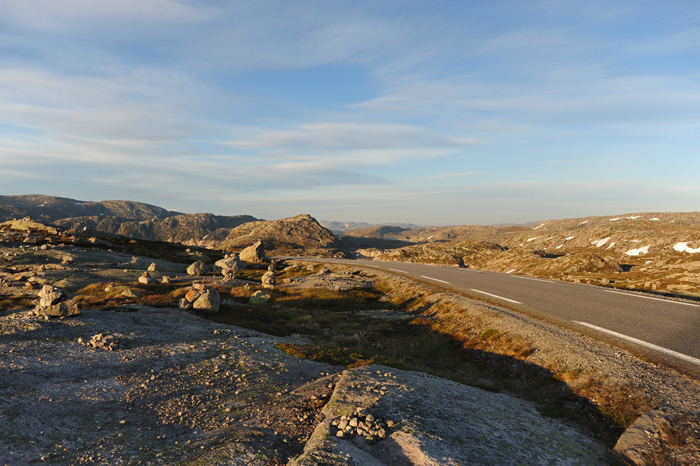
pixel 432 112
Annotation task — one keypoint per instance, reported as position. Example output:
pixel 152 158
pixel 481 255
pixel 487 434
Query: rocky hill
pixel 294 236
pixel 51 208
pixel 656 252
pixel 341 228
pixel 127 218
pixel 380 231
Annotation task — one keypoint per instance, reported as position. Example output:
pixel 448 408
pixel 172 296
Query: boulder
pixel 153 267
pixel 208 301
pixel 129 293
pixel 259 297
pixel 62 309
pixel 198 268
pixel 145 279
pixel 253 253
pixel 165 279
pixel 268 280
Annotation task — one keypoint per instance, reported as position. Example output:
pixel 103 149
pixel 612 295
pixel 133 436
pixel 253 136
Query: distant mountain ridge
pixel 128 218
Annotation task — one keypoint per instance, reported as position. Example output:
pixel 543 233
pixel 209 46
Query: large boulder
pixel 253 253
pixel 196 269
pixel 208 301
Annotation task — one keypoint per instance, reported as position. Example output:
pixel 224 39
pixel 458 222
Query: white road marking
pixel 649 297
pixel 397 270
pixel 642 343
pixel 536 279
pixel 431 278
pixel 496 296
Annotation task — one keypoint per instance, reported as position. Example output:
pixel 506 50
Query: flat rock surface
pixel 439 422
pixel 185 390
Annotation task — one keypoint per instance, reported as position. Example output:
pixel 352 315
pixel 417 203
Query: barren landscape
pixel 331 364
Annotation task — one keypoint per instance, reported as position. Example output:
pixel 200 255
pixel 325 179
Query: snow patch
pixel 654 219
pixel 636 252
pixel 431 236
pixel 570 237
pixel 634 217
pixel 42 205
pixel 551 237
pixel 648 262
pixel 559 246
pixel 585 221
pixel 611 245
pixel 540 226
pixel 511 271
pixel 532 239
pixel 601 242
pixel 683 247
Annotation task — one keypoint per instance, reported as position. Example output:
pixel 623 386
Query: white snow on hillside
pixel 634 217
pixel 611 245
pixel 570 237
pixel 601 242
pixel 637 252
pixel 585 221
pixel 614 219
pixel 533 239
pixel 540 226
pixel 683 247
pixel 655 219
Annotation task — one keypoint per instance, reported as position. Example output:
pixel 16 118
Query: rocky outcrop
pixel 294 236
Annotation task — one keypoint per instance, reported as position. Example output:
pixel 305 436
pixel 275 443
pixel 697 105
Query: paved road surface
pixel 661 330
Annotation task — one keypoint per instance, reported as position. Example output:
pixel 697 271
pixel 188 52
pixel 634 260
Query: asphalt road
pixel 662 330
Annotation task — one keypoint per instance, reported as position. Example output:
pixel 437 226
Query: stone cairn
pixel 268 279
pixel 363 425
pixel 201 298
pixel 55 302
pixel 101 341
pixel 229 266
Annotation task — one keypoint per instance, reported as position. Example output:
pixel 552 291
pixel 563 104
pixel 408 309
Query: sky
pixel 428 112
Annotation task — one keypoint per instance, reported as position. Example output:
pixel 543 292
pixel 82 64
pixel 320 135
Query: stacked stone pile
pixel 55 302
pixel 228 266
pixel 362 424
pixel 201 298
pixel 268 279
pixel 101 341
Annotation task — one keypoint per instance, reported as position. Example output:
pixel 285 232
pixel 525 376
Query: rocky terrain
pixel 654 252
pixel 330 366
pixel 294 236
